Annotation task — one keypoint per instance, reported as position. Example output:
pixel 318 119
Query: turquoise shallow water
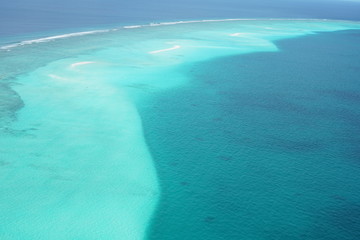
pixel 87 121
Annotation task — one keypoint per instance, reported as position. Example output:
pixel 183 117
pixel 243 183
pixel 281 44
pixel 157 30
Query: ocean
pixel 166 120
pixel 19 18
pixel 268 148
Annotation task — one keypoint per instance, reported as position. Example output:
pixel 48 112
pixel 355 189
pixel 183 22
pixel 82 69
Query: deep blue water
pixel 20 17
pixel 262 146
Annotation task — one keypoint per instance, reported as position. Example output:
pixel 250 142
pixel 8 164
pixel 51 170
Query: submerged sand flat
pixel 74 162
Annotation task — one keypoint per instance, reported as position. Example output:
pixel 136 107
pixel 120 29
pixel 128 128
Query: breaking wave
pixel 77 34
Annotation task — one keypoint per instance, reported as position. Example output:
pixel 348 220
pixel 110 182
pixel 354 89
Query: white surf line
pixel 134 26
pixel 74 65
pixel 165 50
pixel 51 38
pixel 231 19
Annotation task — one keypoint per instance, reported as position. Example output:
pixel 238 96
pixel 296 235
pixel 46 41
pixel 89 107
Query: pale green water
pixel 74 163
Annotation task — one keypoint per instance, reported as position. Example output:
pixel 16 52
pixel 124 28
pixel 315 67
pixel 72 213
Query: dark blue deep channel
pixel 264 146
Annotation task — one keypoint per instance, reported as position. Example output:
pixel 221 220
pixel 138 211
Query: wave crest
pixel 77 34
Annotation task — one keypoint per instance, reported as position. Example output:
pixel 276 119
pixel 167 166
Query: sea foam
pixel 52 38
pixel 76 34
